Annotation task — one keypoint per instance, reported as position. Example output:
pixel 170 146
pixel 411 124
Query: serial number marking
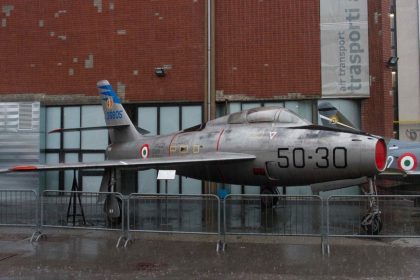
pixel 296 157
pixel 114 115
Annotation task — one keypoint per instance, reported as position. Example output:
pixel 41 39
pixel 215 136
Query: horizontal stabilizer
pixel 61 130
pixel 336 185
pixel 148 163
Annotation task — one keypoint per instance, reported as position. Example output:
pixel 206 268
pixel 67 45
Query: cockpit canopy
pixel 267 115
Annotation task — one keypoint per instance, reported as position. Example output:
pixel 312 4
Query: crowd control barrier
pixel 83 210
pixel 172 213
pixel 396 216
pixel 281 215
pixel 18 208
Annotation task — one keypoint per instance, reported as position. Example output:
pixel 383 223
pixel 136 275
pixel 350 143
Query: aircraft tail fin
pixel 332 117
pixel 115 115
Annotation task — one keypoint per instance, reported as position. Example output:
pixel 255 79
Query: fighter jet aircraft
pixel 265 147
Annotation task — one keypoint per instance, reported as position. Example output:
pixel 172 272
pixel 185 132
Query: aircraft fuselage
pixel 284 155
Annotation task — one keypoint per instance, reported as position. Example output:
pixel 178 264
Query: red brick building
pixel 263 49
pixel 219 55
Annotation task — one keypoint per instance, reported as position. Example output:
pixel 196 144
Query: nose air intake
pixel 380 155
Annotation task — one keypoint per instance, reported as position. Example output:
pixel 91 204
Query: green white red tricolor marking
pixel 144 151
pixel 407 162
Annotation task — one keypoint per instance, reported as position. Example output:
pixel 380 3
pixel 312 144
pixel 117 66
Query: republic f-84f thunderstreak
pixel 265 147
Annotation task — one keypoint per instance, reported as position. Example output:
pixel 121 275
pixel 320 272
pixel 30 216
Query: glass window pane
pixel 169 119
pixel 95 139
pixel 191 115
pixel 147 182
pixel 191 186
pixel 221 110
pixel 246 106
pixel 72 120
pixel 147 119
pixel 69 174
pixel 173 186
pixel 235 189
pixel 93 157
pixel 92 115
pixel 302 108
pixel 274 104
pixel 53 121
pixel 252 190
pixel 234 107
pixel 91 183
pixel 302 190
pixel 51 177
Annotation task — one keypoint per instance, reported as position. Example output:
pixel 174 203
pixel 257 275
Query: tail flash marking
pixel 115 115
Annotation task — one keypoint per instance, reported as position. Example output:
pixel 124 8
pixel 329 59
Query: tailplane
pixel 120 127
pixel 332 117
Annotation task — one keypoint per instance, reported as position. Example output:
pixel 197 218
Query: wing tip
pixel 23 168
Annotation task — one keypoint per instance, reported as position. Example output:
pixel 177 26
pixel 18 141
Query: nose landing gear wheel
pixel 371 222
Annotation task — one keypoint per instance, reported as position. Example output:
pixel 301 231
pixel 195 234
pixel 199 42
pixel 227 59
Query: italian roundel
pixel 144 151
pixel 407 162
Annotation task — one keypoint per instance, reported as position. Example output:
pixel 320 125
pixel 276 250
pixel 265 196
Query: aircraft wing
pixel 173 161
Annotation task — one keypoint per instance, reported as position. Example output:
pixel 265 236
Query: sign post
pixel 166 175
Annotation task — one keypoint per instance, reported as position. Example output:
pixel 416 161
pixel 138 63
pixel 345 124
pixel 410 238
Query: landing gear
pixel 268 200
pixel 113 204
pixel 113 209
pixel 371 222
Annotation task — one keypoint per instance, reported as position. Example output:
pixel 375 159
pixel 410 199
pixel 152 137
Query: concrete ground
pixel 78 254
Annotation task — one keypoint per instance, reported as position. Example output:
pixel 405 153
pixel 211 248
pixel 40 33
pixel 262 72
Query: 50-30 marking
pixel 297 157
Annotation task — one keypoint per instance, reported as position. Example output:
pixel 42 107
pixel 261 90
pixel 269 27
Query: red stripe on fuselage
pixel 218 139
pixel 170 143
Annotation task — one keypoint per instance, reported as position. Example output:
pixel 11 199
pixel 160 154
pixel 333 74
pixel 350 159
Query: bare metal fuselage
pixel 285 156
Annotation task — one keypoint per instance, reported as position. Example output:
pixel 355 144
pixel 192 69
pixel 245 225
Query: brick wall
pixel 377 112
pixel 45 45
pixel 268 48
pixel 264 49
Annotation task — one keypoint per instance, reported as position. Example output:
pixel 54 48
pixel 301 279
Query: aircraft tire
pixel 113 220
pixel 374 227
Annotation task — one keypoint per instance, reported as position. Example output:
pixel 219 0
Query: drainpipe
pixel 210 61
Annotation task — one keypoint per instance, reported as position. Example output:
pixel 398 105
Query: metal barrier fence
pixel 255 214
pixel 199 214
pixel 397 216
pixel 18 208
pixel 277 215
pixel 82 210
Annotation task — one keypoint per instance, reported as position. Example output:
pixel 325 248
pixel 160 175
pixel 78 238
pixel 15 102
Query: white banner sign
pixel 344 48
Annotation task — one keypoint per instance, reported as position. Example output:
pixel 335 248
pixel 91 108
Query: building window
pixel 160 120
pixel 74 146
pixel 303 108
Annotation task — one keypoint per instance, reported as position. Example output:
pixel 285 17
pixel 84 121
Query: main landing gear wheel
pixel 371 222
pixel 268 200
pixel 113 209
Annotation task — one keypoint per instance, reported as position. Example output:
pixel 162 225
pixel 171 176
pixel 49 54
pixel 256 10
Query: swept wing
pixel 173 161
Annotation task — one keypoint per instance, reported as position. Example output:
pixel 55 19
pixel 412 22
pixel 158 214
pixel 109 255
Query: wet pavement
pixel 78 254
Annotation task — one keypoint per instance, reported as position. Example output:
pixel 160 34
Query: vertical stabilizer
pixel 121 129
